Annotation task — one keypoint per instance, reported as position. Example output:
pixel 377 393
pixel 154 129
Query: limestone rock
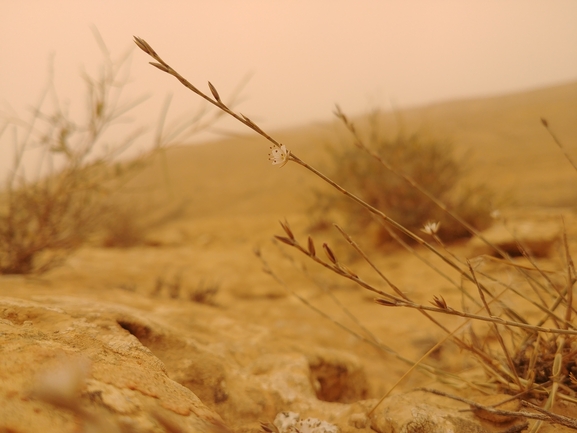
pixel 112 367
pixel 60 368
pixel 412 413
pixel 536 234
pixel 290 422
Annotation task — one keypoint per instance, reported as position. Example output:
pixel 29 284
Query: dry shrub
pixel 415 158
pixel 53 211
pixel 130 219
pixel 70 195
pixel 57 214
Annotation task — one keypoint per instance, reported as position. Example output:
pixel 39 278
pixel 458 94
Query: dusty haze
pixel 303 56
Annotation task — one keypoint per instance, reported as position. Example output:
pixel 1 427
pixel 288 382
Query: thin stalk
pixel 497 333
pixel 545 123
pixel 453 312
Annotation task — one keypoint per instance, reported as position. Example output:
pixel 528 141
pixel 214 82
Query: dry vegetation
pixel 74 195
pixel 526 352
pixel 520 329
pixel 399 175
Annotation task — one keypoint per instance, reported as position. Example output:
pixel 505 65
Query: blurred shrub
pixel 430 163
pixel 68 198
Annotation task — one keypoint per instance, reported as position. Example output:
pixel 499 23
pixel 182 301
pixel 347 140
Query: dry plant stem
pixel 415 253
pixel 394 287
pixel 571 277
pixel 360 144
pixel 553 417
pixel 336 267
pixel 454 312
pixel 370 262
pixel 328 292
pixel 341 270
pixel 373 341
pixel 333 266
pixel 497 333
pixel 544 416
pixel 518 265
pixel 543 274
pixel 565 295
pixel 545 123
pixel 292 241
pixel 418 363
pixel 558 360
pixel 217 102
pixel 556 377
pixel 561 295
pixel 496 371
pixel 523 270
pixel 163 66
pixel 450 334
pixel 549 312
pixel 444 247
pixel 380 214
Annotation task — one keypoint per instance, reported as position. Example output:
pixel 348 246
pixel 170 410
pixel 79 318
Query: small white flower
pixel 495 214
pixel 279 155
pixel 431 227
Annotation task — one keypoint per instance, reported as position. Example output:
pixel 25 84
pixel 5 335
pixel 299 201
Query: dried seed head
pixel 160 66
pixel 330 254
pixel 143 45
pixel 285 226
pixel 312 251
pixel 213 91
pixel 339 113
pixel 287 241
pixel 385 302
pixel 440 302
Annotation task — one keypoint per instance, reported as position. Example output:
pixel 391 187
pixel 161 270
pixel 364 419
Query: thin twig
pixel 545 123
pixel 453 312
pixel 545 414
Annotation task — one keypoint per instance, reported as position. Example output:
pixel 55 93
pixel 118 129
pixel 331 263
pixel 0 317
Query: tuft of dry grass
pixel 520 330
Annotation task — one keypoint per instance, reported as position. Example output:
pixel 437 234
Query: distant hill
pixel 510 148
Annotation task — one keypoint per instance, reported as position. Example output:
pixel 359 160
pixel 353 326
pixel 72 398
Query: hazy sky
pixel 304 56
